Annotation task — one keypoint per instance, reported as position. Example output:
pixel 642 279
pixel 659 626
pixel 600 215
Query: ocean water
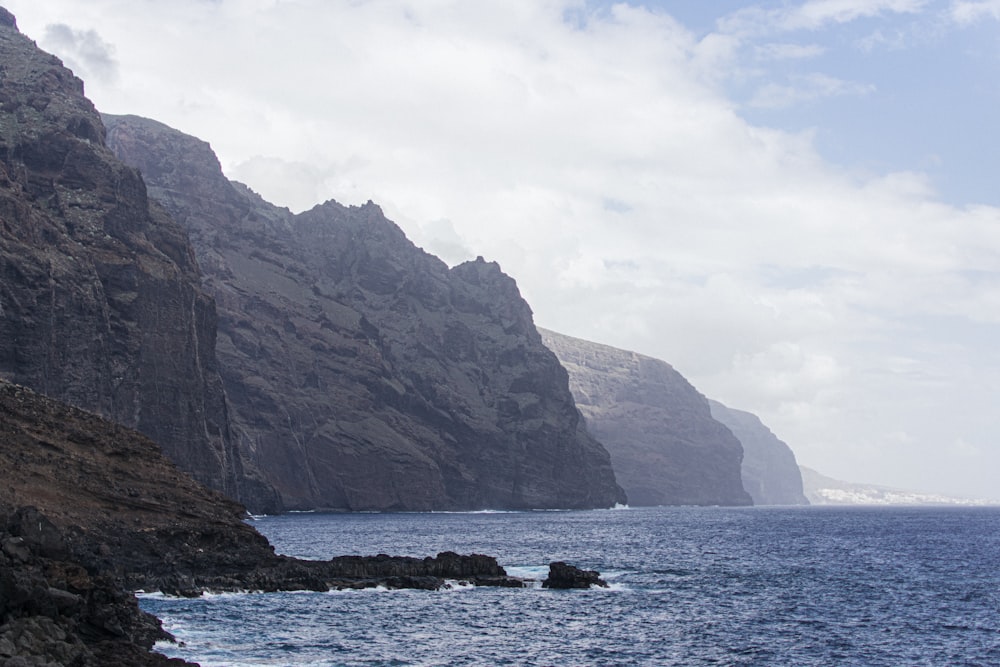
pixel 689 586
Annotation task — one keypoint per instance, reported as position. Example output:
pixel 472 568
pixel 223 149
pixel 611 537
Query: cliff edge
pixel 665 446
pixel 362 373
pixel 101 302
pixel 770 472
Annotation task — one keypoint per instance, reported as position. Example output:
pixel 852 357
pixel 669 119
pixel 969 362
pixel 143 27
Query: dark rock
pixel 363 373
pixel 665 446
pixel 101 302
pixel 73 483
pixel 563 575
pixel 770 472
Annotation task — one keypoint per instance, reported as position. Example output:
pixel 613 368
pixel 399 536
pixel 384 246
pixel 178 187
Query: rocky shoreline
pixel 91 511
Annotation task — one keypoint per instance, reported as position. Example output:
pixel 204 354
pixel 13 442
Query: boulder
pixel 563 575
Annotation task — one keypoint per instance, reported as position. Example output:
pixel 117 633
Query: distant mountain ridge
pixel 665 446
pixel 769 470
pixel 361 372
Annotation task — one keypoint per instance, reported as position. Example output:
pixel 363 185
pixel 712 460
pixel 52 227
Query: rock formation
pixel 100 297
pixel 91 510
pixel 770 473
pixel 363 373
pixel 665 446
pixel 564 576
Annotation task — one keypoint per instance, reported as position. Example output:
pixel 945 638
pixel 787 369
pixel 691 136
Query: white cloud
pixel 600 161
pixel 806 88
pixel 965 12
pixel 812 15
pixel 787 51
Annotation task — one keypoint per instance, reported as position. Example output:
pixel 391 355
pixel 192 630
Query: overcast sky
pixel 794 203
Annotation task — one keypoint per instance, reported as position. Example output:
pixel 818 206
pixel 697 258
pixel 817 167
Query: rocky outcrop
pixel 770 472
pixel 101 302
pixel 665 446
pixel 91 510
pixel 363 373
pixel 564 576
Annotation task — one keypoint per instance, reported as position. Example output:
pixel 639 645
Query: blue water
pixel 690 586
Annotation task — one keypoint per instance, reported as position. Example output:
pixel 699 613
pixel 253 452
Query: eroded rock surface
pixel 665 446
pixel 101 302
pixel 362 372
pixel 91 511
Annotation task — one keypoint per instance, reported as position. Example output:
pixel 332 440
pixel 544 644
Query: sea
pixel 687 586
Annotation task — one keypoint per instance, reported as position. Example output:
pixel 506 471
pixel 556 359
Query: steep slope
pixel 770 473
pixel 100 297
pixel 363 373
pixel 665 446
pixel 91 510
pixel 85 506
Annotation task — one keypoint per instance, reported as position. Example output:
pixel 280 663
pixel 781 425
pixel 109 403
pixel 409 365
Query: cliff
pixel 91 510
pixel 665 446
pixel 100 296
pixel 363 373
pixel 770 472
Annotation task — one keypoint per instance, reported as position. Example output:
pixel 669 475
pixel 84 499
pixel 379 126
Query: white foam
pixel 538 572
pixel 454 585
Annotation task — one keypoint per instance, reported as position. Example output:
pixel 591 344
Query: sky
pixel 794 203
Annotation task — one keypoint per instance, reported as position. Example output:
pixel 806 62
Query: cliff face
pixel 363 373
pixel 86 507
pixel 100 297
pixel 770 472
pixel 665 446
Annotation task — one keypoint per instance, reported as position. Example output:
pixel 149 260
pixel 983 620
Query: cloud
pixel 83 51
pixel 965 12
pixel 812 15
pixel 806 88
pixel 787 51
pixel 602 161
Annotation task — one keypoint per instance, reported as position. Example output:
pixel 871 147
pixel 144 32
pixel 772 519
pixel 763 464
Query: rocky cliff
pixel 363 373
pixel 100 298
pixel 91 510
pixel 770 472
pixel 665 446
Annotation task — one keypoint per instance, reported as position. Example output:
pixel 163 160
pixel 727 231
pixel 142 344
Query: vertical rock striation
pixel 770 472
pixel 665 446
pixel 100 297
pixel 362 372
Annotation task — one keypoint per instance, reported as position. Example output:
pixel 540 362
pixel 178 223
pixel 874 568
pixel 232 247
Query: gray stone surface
pixel 101 304
pixel 665 446
pixel 362 373
pixel 770 472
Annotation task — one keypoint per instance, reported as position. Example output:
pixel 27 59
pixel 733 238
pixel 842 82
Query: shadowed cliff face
pixel 665 446
pixel 363 373
pixel 100 297
pixel 770 473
